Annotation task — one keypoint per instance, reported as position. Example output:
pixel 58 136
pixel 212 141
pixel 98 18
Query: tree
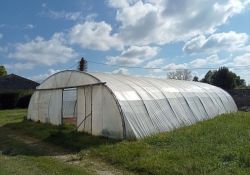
pixel 208 77
pixel 3 71
pixel 224 78
pixel 183 74
pixel 83 65
pixel 195 78
pixel 240 83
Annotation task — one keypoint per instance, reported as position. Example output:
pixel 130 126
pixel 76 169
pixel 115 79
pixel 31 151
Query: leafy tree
pixel 240 83
pixel 208 77
pixel 195 78
pixel 224 78
pixel 3 71
pixel 83 65
pixel 183 74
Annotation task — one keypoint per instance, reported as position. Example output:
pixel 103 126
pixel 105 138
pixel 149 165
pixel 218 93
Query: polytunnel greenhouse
pixel 125 107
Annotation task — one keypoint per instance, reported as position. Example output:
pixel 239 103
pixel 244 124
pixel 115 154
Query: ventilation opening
pixel 69 106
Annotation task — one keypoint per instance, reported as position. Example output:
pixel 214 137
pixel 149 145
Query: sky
pixel 39 38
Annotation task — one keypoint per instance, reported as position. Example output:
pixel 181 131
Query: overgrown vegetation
pixel 217 146
pixel 224 78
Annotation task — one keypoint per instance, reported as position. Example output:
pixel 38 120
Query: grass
pixel 66 136
pixel 12 116
pixel 16 157
pixel 217 146
pixel 32 165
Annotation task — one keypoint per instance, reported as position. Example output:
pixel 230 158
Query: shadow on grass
pixel 30 138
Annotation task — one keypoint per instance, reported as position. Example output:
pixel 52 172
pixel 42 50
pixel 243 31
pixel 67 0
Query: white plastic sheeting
pixel 66 79
pixel 126 106
pixel 69 102
pixel 84 108
pixel 155 105
pixel 45 106
pixel 98 113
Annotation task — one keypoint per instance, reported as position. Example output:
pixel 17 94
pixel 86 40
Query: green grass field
pixel 217 146
pixel 18 157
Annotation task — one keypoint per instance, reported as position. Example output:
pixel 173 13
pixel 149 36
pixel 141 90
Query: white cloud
pixel 210 60
pixel 1 35
pixel 123 71
pixel 134 55
pixel 154 63
pixel 72 16
pixel 130 15
pixel 123 60
pixel 215 61
pixel 165 21
pixel 197 63
pixel 118 4
pixel 19 66
pixel 242 60
pixel 173 66
pixel 216 42
pixel 244 74
pixel 90 17
pixel 46 52
pixel 149 22
pixel 94 35
pixel 140 51
pixel 29 26
pixel 41 77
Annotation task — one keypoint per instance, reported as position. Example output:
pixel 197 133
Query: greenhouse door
pixel 69 106
pixel 84 109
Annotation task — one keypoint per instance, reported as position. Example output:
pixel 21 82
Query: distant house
pixel 12 82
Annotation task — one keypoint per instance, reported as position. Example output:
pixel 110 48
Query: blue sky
pixel 39 38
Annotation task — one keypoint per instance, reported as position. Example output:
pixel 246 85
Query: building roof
pixel 15 82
